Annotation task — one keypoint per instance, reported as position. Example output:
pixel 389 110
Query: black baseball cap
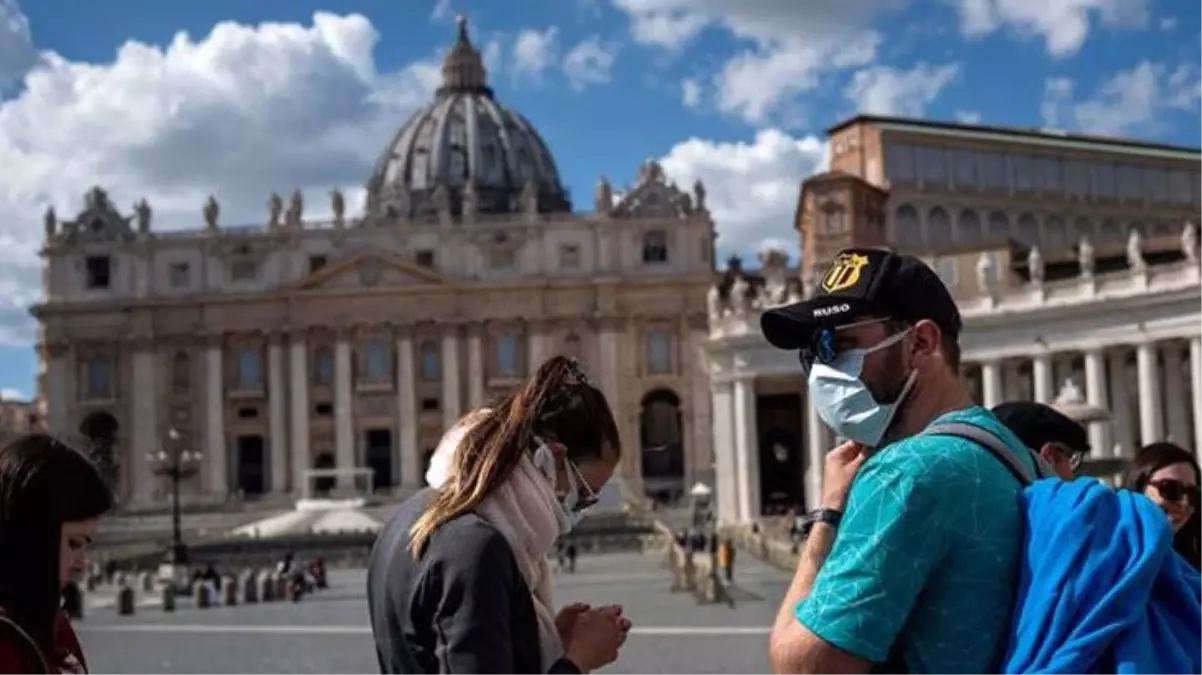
pixel 1036 424
pixel 864 282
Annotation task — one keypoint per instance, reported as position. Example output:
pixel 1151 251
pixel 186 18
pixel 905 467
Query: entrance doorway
pixel 662 451
pixel 100 428
pixel 252 470
pixel 378 444
pixel 780 453
pixel 324 484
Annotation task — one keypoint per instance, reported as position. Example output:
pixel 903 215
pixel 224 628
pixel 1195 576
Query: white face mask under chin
pixel 843 400
pixel 544 460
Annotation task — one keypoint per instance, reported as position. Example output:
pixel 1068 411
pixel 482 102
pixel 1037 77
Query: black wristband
pixel 829 516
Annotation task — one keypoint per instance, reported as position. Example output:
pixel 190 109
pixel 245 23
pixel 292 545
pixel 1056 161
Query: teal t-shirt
pixel 926 555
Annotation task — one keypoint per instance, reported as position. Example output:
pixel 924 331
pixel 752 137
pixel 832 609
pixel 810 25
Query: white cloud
pixel 792 44
pixel 751 187
pixel 240 113
pixel 1131 102
pixel 1063 25
pixel 968 116
pixel 590 62
pixel 17 53
pixel 884 90
pixel 1168 23
pixel 534 52
pixel 12 394
pixel 442 10
pixel 690 92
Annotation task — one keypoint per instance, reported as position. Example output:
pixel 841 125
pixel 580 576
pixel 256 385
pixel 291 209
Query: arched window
pixel 907 231
pixel 250 367
pixel 1028 230
pixel 1055 233
pixel 999 226
pixel 969 226
pixel 1111 231
pixel 430 362
pixel 1082 228
pixel 939 227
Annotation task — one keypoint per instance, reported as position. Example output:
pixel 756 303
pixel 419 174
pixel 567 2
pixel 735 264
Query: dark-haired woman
pixel 51 498
pixel 459 580
pixel 1169 475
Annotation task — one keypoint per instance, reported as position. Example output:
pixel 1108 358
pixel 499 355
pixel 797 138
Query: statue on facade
pixel 651 172
pixel 529 196
pixel 1189 241
pixel 338 206
pixel 97 199
pixel 470 199
pixel 212 211
pixel 986 271
pixel 50 220
pixel 143 213
pixel 713 303
pixel 1035 265
pixel 603 197
pixel 1086 260
pixel 774 263
pixel 1135 251
pixel 739 291
pixel 699 195
pixel 296 209
pixel 275 205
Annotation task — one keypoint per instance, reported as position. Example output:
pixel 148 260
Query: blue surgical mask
pixel 843 400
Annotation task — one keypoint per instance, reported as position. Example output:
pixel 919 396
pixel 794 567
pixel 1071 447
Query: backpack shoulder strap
pixel 996 447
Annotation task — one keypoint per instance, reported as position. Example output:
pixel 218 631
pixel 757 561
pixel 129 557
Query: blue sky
pixel 273 94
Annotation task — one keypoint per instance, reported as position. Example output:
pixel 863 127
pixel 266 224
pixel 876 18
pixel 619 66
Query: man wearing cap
pixel 912 566
pixel 1060 441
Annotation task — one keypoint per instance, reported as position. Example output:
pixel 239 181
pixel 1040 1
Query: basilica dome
pixel 466 151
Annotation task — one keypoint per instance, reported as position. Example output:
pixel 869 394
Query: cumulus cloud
pixel 12 394
pixel 690 92
pixel 534 51
pixel 751 187
pixel 590 62
pixel 1063 25
pixel 884 90
pixel 239 113
pixel 1130 102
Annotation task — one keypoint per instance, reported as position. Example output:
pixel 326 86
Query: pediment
pixel 372 269
pixel 654 199
pixel 99 221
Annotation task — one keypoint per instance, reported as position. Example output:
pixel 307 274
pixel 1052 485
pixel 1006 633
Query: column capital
pixel 403 331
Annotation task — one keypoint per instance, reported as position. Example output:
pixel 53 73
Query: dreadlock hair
pixel 556 403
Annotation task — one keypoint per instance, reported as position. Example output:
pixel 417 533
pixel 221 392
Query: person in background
pixel 911 562
pixel 1062 442
pixel 51 500
pixel 1168 474
pixel 459 580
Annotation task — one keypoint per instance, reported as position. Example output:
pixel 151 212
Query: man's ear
pixel 1048 452
pixel 928 339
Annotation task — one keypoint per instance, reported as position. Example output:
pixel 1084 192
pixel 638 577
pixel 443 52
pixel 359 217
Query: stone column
pixel 276 415
pixel 298 389
pixel 1095 394
pixel 1012 386
pixel 56 358
pixel 216 454
pixel 537 346
pixel 145 416
pixel 1120 407
pixel 475 368
pixel 1041 371
pixel 991 383
pixel 747 454
pixel 344 421
pixel 1176 409
pixel 610 374
pixel 451 410
pixel 1151 429
pixel 1195 374
pixel 818 443
pixel 726 490
pixel 407 441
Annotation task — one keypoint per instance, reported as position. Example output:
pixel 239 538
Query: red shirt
pixel 19 654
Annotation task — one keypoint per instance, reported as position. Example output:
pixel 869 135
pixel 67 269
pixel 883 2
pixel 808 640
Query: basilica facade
pixel 271 349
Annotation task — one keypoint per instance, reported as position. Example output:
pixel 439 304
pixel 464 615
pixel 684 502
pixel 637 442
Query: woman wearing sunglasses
pixel 1168 475
pixel 459 580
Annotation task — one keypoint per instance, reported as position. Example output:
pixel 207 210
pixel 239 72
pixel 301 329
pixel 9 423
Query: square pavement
pixel 328 632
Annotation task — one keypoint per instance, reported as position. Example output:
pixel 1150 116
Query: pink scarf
pixel 524 510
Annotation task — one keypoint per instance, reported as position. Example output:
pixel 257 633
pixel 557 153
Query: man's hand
pixel 842 463
pixel 565 621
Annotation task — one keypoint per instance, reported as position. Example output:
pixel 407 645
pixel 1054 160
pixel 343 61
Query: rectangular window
pixel 99 271
pixel 1048 175
pixel 249 368
pixel 508 358
pixel 993 170
pixel 1179 187
pixel 965 165
pixel 1104 180
pixel 655 247
pixel 99 378
pixel 377 361
pixel 430 362
pixel 659 352
pixel 1022 173
pixel 1077 179
pixel 899 158
pixel 178 275
pixel 933 164
pixel 1156 184
pixel 1130 182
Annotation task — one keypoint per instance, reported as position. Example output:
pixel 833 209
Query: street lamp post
pixel 177 464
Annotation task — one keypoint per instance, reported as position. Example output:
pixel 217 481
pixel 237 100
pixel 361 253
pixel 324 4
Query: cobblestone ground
pixel 328 633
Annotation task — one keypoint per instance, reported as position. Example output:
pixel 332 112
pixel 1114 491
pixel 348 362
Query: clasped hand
pixel 591 636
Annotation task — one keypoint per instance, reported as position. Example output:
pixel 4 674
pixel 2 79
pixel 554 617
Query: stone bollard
pixel 266 587
pixel 200 594
pixel 146 582
pixel 126 600
pixel 229 591
pixel 167 597
pixel 250 589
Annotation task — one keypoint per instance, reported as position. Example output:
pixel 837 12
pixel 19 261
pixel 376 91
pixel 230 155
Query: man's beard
pixel 887 387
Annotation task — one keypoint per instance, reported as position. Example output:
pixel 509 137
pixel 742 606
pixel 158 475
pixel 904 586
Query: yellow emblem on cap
pixel 844 272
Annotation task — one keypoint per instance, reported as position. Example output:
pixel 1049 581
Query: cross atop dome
pixel 463 69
